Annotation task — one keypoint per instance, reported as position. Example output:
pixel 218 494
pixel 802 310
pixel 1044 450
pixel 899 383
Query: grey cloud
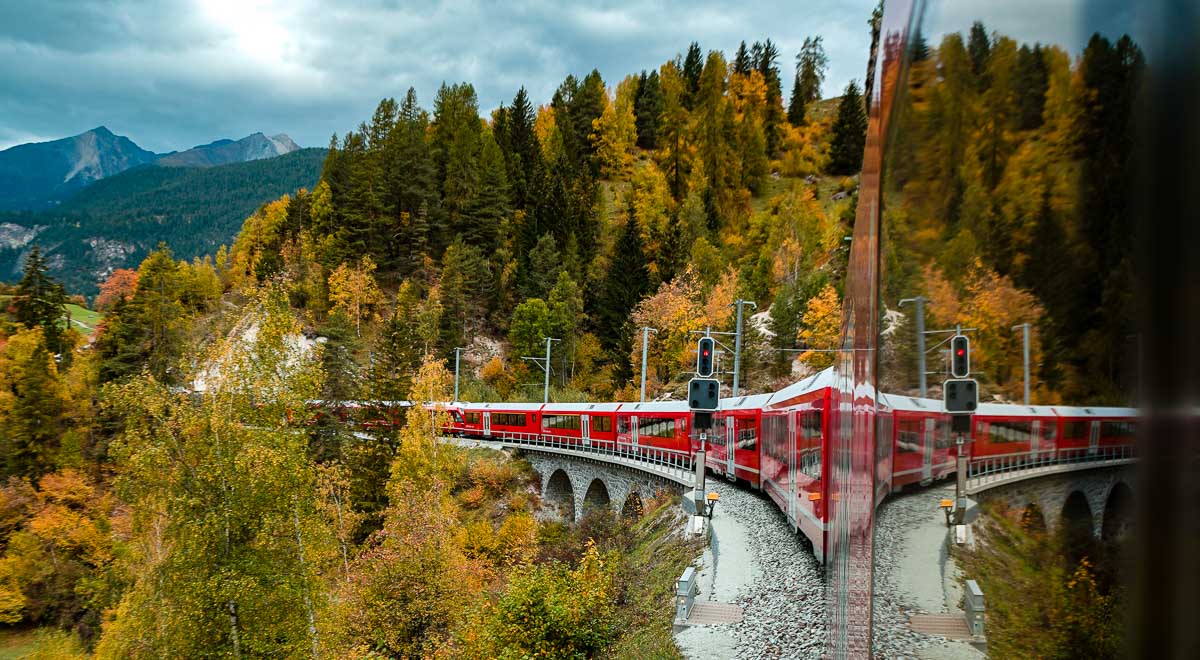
pixel 174 74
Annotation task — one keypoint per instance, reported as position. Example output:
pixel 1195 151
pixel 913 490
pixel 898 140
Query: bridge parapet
pixel 577 477
pixel 989 472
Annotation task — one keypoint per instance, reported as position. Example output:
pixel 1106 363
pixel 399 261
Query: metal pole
pixel 457 352
pixel 920 301
pixel 646 330
pixel 546 390
pixel 737 343
pixel 1025 331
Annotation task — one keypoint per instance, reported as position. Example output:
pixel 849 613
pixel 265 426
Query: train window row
pixel 471 417
pixel 561 422
pixel 657 427
pixel 601 424
pixel 508 419
pixel 1117 430
pixel 1005 432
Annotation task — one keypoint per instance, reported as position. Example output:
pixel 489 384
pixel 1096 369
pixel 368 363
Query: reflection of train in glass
pixel 779 442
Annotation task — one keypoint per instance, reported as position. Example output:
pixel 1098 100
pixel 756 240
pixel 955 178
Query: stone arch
pixel 633 507
pixel 1118 513
pixel 1033 519
pixel 558 490
pixel 1076 527
pixel 596 496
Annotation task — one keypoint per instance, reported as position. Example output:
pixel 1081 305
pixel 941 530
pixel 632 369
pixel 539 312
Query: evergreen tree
pixel 586 106
pixel 674 150
pixel 1030 84
pixel 693 65
pixel 398 349
pixel 627 281
pixel 545 264
pixel 767 64
pixel 979 46
pixel 523 154
pixel 648 109
pixel 456 142
pixel 487 209
pixel 741 62
pixel 811 65
pixel 849 134
pixel 40 302
pixel 411 189
pixel 33 402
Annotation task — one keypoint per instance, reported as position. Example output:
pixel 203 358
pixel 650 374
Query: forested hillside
pixel 173 490
pixel 116 221
pixel 1008 205
pixel 657 200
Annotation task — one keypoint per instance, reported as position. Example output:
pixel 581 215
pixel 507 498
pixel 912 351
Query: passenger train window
pixel 941 435
pixel 656 427
pixel 561 422
pixel 1075 431
pixel 471 417
pixel 1003 432
pixel 1049 432
pixel 508 419
pixel 622 424
pixel 747 435
pixel 908 436
pixel 1117 430
pixel 602 424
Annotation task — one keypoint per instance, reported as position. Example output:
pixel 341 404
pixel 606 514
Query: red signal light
pixel 961 352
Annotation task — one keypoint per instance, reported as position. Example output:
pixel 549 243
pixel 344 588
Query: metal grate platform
pixel 950 626
pixel 705 613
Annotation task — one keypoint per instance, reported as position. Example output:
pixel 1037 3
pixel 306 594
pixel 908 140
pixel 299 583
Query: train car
pixel 922 447
pixel 733 443
pixel 1008 431
pixel 792 450
pixel 588 423
pixel 1086 431
pixel 655 424
pixel 499 420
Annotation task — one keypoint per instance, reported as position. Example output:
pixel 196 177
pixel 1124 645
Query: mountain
pixel 41 175
pixel 222 152
pixel 115 222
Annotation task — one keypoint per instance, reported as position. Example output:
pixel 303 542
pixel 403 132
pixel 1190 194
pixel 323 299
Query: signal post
pixel 960 398
pixel 704 397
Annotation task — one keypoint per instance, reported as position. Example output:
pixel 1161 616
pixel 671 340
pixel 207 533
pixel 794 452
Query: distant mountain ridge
pixel 116 221
pixel 222 152
pixel 42 175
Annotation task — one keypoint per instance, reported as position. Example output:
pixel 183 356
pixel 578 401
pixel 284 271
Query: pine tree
pixel 40 302
pixel 398 350
pixel 456 140
pixel 487 209
pixel 693 65
pixel 768 65
pixel 411 188
pixel 627 281
pixel 811 65
pixel 674 145
pixel 979 47
pixel 33 401
pixel 849 134
pixel 741 62
pixel 545 264
pixel 648 108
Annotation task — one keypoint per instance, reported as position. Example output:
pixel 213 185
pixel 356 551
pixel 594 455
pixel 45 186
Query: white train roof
pixel 505 407
pixel 817 381
pixel 750 401
pixel 655 406
pixel 580 407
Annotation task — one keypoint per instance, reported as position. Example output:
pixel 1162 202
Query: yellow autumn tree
pixel 820 328
pixel 353 290
pixel 614 133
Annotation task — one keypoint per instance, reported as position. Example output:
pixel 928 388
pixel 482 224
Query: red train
pixel 779 442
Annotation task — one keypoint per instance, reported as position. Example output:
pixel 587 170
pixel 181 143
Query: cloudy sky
pixel 171 74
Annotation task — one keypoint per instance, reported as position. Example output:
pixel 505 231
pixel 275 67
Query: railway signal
pixel 704 394
pixel 705 350
pixel 960 395
pixel 960 356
